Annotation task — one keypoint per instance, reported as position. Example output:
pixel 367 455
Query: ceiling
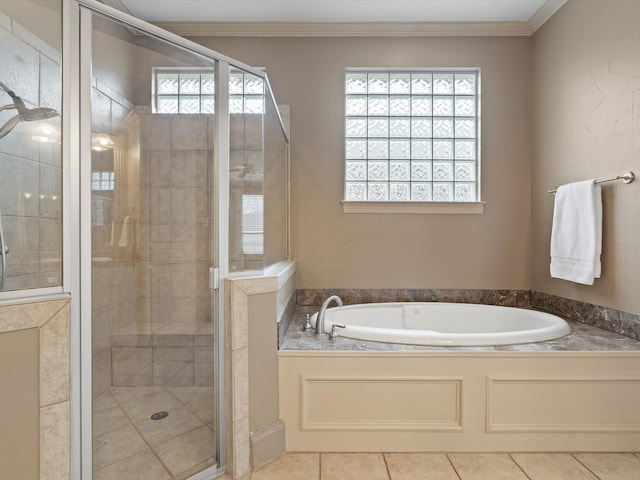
pixel 337 10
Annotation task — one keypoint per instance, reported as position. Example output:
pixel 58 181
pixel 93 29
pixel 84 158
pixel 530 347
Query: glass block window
pixel 252 224
pixel 412 136
pixel 246 93
pixel 102 180
pixel 184 91
pixel 193 91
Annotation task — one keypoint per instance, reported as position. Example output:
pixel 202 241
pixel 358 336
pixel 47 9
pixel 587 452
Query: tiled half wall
pixel 49 421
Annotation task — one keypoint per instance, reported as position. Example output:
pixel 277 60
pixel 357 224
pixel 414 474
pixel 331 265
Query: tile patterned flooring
pixel 451 466
pixel 128 445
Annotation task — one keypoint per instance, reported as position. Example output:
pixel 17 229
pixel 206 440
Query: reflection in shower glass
pixel 258 176
pixel 30 149
pixel 252 224
pixel 153 314
pixel 246 174
pixel 276 184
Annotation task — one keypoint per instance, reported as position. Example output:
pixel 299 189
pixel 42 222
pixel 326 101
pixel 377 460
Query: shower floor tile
pixel 144 401
pixel 115 437
pixel 128 445
pixel 140 465
pixel 182 455
pixel 198 400
pixel 156 432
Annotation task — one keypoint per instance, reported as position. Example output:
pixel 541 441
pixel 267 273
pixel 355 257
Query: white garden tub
pixel 444 324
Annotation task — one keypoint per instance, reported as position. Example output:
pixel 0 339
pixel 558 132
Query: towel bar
pixel 626 177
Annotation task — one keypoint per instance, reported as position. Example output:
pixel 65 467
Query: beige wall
pixel 263 361
pixel 19 405
pixel 585 83
pixel 337 250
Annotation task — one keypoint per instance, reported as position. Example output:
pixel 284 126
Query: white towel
pixel 124 233
pixel 576 234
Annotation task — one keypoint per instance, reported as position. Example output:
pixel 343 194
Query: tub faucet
pixel 321 312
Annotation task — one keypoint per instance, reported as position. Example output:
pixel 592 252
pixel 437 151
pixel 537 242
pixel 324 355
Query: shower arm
pixel 4 250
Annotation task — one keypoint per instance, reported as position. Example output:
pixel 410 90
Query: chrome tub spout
pixel 321 312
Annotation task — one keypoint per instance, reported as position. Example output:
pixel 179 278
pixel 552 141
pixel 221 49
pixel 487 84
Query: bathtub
pixel 444 324
pixel 577 394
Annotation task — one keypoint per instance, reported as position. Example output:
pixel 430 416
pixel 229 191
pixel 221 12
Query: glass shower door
pixel 153 313
pixel 30 147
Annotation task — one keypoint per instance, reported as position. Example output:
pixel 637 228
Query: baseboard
pixel 267 444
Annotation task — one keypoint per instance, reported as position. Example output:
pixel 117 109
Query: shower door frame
pixel 78 15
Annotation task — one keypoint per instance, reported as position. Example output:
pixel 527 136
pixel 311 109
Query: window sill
pixel 447 208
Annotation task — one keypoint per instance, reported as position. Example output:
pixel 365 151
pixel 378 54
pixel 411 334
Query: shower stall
pixel 187 181
pixel 174 171
pixel 152 214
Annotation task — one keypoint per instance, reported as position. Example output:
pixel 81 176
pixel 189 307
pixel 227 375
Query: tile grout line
pixel 453 466
pixel 144 439
pixel 588 469
pixel 193 412
pixel 386 465
pixel 172 439
pixel 120 460
pixel 519 466
pixel 133 453
pixel 151 448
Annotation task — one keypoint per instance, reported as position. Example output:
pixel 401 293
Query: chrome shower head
pixel 24 114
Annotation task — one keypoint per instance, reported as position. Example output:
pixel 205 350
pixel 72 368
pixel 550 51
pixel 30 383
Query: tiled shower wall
pixel 151 302
pixel 171 342
pixel 113 261
pixel 31 202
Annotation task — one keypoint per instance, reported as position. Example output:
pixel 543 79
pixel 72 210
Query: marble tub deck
pixel 583 338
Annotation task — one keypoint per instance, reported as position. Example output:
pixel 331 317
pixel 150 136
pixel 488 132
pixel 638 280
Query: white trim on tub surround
pixel 271 279
pixel 366 29
pixel 462 401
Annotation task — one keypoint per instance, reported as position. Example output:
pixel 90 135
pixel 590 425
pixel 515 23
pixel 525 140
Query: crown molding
pixel 544 13
pixel 360 29
pixel 346 29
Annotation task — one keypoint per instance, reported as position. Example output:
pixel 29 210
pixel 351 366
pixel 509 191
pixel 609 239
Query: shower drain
pixel 159 415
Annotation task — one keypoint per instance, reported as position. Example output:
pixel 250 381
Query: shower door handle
pixel 4 250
